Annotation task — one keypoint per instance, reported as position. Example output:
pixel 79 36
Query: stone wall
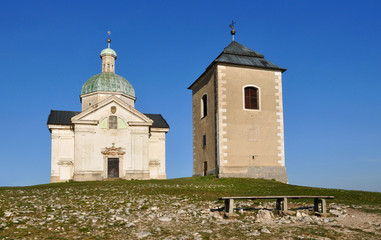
pixel 204 125
pixel 251 140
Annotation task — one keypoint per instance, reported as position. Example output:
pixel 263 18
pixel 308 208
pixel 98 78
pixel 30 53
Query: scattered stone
pixel 284 221
pixel 265 230
pixel 265 215
pixel 306 219
pixel 181 211
pixel 130 225
pixel 115 213
pixel 143 234
pixel 301 214
pixel 120 219
pixel 7 214
pixel 338 213
pixel 165 219
pixel 254 233
pixel 240 210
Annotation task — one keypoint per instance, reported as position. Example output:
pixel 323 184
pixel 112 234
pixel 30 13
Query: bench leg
pixel 323 206
pixel 316 204
pixel 285 207
pixel 281 204
pixel 229 205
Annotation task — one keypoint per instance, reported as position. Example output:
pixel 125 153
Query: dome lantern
pixel 108 81
pixel 108 57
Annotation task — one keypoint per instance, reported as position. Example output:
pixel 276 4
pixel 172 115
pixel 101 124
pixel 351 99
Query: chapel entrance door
pixel 113 168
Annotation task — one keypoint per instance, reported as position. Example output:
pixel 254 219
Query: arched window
pixel 113 122
pixel 204 106
pixel 251 98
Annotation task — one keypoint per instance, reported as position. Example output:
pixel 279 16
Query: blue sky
pixel 332 105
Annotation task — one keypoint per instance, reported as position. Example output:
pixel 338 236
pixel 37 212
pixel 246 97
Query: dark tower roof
pixel 238 54
pixel 239 49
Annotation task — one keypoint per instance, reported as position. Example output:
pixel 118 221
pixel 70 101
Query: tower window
pixel 204 140
pixel 113 122
pixel 251 98
pixel 204 106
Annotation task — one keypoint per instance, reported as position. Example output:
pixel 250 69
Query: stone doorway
pixel 113 168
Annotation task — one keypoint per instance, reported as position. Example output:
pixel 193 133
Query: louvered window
pixel 251 98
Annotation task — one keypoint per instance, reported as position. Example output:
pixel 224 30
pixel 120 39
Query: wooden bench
pixel 281 202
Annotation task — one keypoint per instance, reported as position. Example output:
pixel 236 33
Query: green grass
pixel 211 188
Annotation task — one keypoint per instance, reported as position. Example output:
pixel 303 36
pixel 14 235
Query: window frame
pixel 258 98
pixel 204 105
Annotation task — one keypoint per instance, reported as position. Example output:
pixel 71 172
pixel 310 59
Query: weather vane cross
pixel 232 32
pixel 109 39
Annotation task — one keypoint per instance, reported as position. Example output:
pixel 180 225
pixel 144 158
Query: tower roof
pixel 108 82
pixel 238 54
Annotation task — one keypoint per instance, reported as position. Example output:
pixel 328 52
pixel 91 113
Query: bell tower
pixel 237 111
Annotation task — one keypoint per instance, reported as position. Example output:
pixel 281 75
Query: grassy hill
pixel 124 209
pixel 211 188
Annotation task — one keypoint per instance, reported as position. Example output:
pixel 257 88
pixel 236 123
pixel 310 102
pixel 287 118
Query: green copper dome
pixel 108 51
pixel 108 82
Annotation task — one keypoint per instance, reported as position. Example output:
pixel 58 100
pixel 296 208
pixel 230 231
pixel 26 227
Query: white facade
pixel 108 139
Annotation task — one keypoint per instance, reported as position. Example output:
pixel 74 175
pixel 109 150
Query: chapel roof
pixel 61 117
pixel 108 82
pixel 158 120
pixel 58 117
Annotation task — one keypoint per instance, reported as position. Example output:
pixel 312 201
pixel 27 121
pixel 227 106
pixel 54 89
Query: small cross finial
pixel 232 32
pixel 109 39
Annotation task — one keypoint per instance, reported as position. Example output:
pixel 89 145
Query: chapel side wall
pixel 88 162
pixel 251 141
pixel 62 154
pixel 205 125
pixel 139 154
pixel 157 154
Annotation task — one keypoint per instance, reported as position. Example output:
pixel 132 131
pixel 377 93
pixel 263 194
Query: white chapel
pixel 109 138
